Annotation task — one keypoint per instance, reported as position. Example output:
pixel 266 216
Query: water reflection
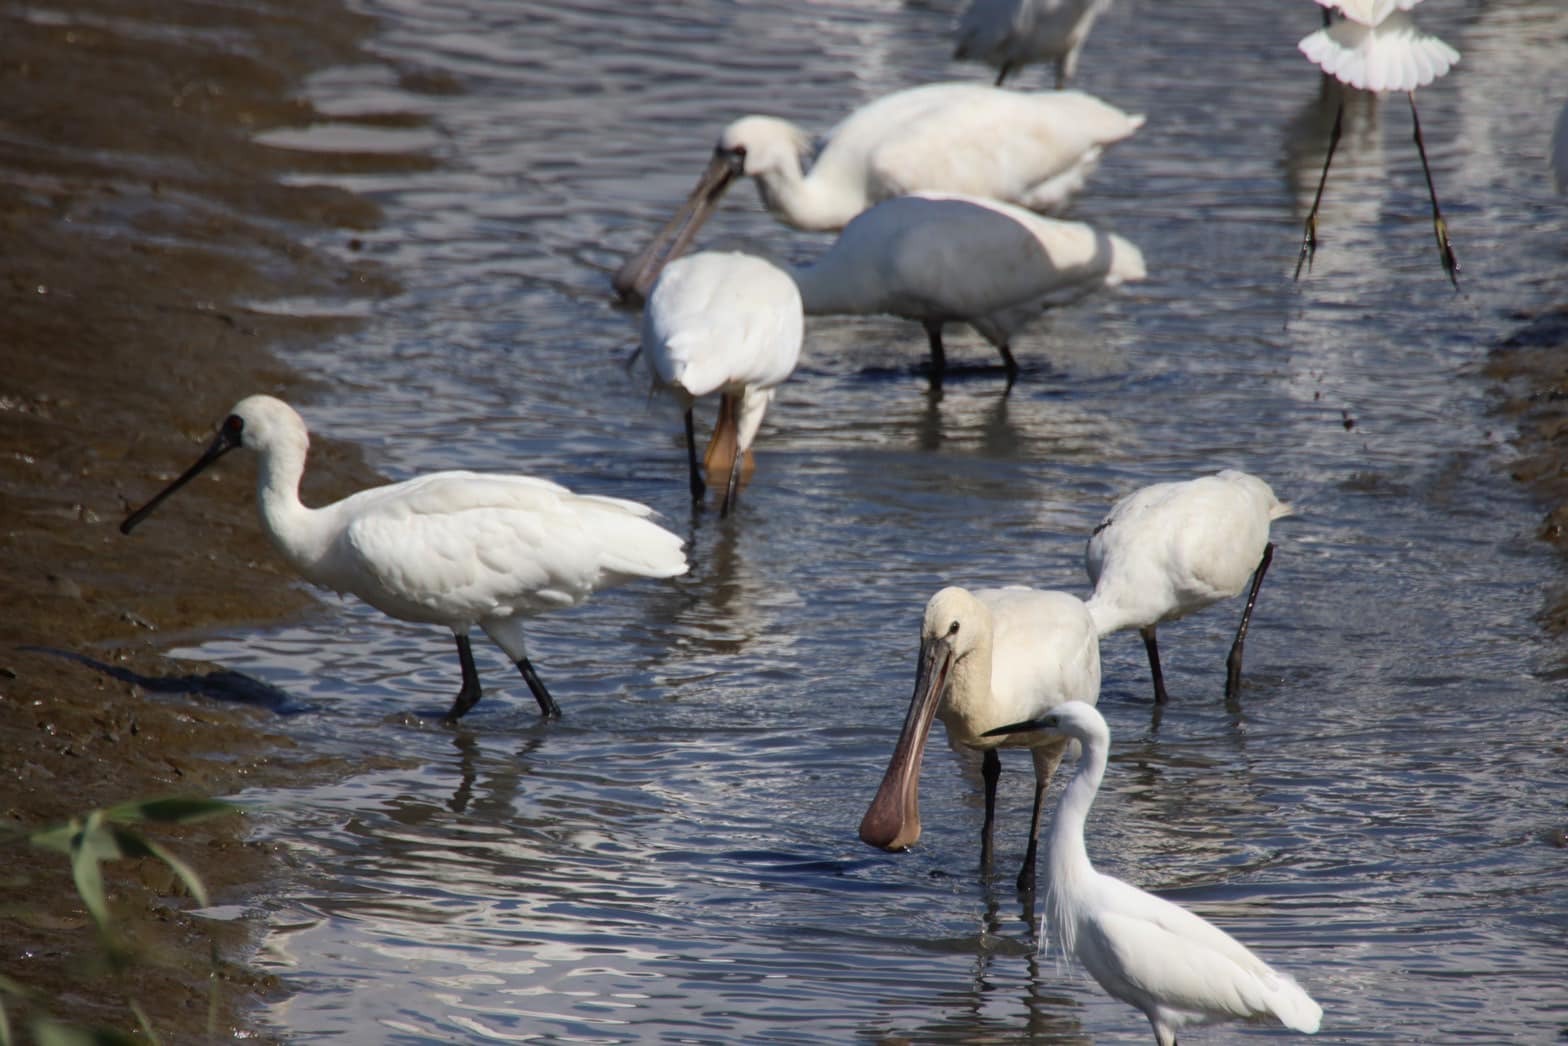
pixel 676 858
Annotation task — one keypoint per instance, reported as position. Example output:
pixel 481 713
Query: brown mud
pixel 137 216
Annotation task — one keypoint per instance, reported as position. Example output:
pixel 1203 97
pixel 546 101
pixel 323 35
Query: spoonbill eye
pixel 952 629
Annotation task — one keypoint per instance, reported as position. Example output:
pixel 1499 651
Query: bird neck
pixel 283 516
pixel 807 202
pixel 966 710
pixel 1069 857
pixel 1108 613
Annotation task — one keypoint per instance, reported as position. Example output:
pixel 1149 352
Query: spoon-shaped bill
pixel 227 439
pixel 634 279
pixel 892 821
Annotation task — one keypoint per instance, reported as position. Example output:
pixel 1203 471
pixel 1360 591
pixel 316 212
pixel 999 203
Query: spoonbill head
pixel 941 258
pixel 1175 966
pixel 453 548
pixel 1170 549
pixel 1034 149
pixel 1007 34
pixel 987 658
pixel 730 324
pixel 1377 47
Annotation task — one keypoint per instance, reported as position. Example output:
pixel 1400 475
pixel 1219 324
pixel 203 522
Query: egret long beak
pixel 1049 722
pixel 892 821
pixel 227 439
pixel 633 280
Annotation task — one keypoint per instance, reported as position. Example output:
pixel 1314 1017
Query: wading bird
pixel 940 259
pixel 1177 967
pixel 1033 149
pixel 725 323
pixel 987 658
pixel 451 548
pixel 1377 47
pixel 1007 34
pixel 1169 549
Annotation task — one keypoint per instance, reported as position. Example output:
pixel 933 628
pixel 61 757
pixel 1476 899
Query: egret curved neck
pixel 291 526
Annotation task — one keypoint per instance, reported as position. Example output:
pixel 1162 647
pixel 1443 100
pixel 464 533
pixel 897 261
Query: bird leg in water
pixel 724 446
pixel 1445 249
pixel 1233 662
pixel 1001 74
pixel 698 487
pixel 938 354
pixel 1009 364
pixel 1153 648
pixel 470 694
pixel 990 770
pixel 547 706
pixel 1309 241
pixel 1026 873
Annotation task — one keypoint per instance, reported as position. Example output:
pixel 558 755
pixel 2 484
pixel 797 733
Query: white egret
pixel 1007 34
pixel 987 658
pixel 940 259
pixel 1177 967
pixel 1169 549
pixel 1034 149
pixel 728 323
pixel 1377 47
pixel 451 548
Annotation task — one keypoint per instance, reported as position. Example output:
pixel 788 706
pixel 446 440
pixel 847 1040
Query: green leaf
pixel 94 844
pixel 47 1032
pixel 186 873
pixel 174 810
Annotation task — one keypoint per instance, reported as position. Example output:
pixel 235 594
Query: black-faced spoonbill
pixel 987 658
pixel 726 323
pixel 940 259
pixel 1177 967
pixel 1169 549
pixel 1377 47
pixel 451 548
pixel 1033 149
pixel 1007 34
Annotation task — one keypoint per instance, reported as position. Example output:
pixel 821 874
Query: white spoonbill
pixel 1033 149
pixel 1177 967
pixel 940 259
pixel 1377 47
pixel 728 323
pixel 1007 34
pixel 451 548
pixel 1169 549
pixel 987 658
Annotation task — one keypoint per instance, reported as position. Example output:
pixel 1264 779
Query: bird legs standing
pixel 724 454
pixel 1445 248
pixel 939 356
pixel 990 771
pixel 1233 662
pixel 471 691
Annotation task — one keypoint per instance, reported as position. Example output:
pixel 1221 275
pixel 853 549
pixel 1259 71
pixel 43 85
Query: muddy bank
pixel 138 216
pixel 1531 369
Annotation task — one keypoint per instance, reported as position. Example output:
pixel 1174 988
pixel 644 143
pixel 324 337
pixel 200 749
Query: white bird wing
pixel 997 144
pixel 1167 952
pixel 462 546
pixel 715 320
pixel 1393 56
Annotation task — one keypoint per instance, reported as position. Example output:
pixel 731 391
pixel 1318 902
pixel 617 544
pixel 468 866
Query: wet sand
pixel 138 216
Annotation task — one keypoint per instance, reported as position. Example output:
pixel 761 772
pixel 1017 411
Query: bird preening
pixel 459 549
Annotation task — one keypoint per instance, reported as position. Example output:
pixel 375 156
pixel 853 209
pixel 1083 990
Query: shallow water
pixel 676 859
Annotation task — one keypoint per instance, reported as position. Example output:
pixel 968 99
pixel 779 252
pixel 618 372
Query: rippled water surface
pixel 676 859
